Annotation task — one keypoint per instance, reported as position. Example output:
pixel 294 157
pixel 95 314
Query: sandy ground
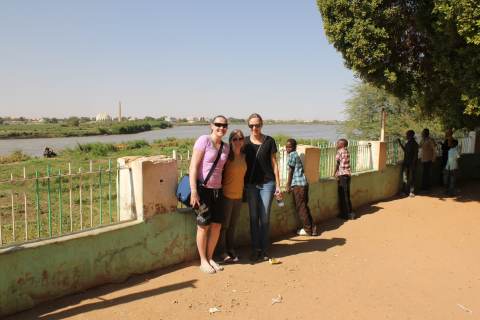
pixel 410 258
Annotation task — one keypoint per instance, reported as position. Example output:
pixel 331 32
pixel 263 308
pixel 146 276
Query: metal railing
pixel 395 153
pixel 39 205
pixel 360 159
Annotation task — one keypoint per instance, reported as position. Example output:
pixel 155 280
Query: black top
pixel 411 153
pixel 263 171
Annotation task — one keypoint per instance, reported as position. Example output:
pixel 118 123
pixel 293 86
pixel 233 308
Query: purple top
pixel 205 145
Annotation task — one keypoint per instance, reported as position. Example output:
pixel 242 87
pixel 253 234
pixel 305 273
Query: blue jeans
pixel 259 198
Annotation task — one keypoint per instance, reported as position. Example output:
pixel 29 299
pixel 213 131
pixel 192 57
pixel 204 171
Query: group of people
pixel 222 176
pixel 427 148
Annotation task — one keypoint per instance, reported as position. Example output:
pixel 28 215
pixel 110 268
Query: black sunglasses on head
pixel 254 125
pixel 221 125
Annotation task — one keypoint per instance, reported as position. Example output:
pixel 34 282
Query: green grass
pixel 63 129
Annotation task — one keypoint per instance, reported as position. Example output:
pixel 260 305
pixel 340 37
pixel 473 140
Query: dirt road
pixel 410 258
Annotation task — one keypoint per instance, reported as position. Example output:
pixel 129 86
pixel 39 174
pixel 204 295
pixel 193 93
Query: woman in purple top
pixel 209 195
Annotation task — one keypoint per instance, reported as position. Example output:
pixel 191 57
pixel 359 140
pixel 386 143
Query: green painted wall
pixel 43 271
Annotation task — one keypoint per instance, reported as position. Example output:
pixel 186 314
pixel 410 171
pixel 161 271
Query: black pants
pixel 344 196
pixel 426 174
pixel 408 178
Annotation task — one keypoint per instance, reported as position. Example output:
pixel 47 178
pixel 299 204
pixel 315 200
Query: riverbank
pixel 35 147
pixel 64 129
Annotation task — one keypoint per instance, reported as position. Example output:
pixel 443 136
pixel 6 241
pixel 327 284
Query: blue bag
pixel 183 189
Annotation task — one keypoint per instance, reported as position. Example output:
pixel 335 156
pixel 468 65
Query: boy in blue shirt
pixel 298 185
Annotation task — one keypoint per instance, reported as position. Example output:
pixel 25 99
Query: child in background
pixel 343 175
pixel 410 150
pixel 298 185
pixel 451 167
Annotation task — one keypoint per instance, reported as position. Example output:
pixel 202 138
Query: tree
pixel 424 51
pixel 73 121
pixel 363 111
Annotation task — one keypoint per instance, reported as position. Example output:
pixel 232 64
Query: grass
pixel 63 129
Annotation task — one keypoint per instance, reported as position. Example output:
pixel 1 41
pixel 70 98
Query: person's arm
pixel 337 165
pixel 401 145
pixel 289 180
pixel 434 149
pixel 275 172
pixel 197 157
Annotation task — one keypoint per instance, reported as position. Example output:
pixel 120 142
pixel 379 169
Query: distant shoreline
pixel 71 132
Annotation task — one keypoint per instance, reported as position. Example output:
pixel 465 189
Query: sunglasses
pixel 221 125
pixel 237 139
pixel 254 125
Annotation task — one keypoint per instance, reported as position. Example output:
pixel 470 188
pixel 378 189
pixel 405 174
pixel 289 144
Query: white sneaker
pixel 412 195
pixel 302 232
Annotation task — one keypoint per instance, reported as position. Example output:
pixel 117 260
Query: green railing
pixel 394 152
pixel 45 204
pixel 360 158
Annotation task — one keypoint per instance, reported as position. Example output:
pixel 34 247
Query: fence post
pixel 311 162
pixel 379 155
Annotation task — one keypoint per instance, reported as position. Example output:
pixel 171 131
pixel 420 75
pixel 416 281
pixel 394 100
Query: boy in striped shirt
pixel 343 175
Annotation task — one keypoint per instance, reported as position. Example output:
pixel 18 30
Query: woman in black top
pixel 262 182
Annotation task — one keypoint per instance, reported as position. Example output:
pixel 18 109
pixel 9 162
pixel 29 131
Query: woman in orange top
pixel 232 183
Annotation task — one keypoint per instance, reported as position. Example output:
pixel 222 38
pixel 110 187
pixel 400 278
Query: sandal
pixel 226 258
pixel 207 269
pixel 216 266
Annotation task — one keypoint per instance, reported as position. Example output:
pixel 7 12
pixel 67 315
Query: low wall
pixel 41 271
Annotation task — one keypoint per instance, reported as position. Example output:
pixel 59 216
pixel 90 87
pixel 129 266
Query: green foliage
pixel 427 52
pixel 73 121
pixel 96 149
pixel 363 110
pixel 15 156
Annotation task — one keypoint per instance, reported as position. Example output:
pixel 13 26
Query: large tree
pixel 424 51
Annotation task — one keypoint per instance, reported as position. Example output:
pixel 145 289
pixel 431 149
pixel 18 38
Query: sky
pixel 176 58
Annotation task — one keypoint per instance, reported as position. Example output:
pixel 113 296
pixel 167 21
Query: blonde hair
pixel 253 116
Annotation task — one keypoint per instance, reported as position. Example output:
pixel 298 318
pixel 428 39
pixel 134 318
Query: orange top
pixel 233 176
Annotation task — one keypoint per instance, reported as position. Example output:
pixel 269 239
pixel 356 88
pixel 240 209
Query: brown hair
pixel 219 116
pixel 231 154
pixel 253 116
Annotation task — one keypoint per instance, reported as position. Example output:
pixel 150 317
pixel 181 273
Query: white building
pixel 103 117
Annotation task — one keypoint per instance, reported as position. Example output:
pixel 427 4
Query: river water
pixel 35 147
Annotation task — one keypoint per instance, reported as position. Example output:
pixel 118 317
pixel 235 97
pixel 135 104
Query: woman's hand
pixel 277 191
pixel 194 199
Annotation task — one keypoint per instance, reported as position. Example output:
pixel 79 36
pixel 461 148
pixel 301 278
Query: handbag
pixel 184 191
pixel 244 195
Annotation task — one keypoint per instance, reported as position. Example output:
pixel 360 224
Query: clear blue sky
pixel 178 58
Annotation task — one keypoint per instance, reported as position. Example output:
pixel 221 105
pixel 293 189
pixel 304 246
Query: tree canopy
pixel 426 52
pixel 363 115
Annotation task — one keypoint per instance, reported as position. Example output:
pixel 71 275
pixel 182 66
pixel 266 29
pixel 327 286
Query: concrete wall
pixel 41 271
pixel 36 272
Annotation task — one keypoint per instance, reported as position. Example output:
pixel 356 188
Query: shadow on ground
pixel 48 310
pixel 465 192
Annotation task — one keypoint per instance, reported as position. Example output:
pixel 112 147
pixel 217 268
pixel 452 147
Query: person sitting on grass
pixel 298 185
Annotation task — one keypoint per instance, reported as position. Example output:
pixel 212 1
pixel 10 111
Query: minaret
pixel 119 111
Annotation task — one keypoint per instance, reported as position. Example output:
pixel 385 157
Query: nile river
pixel 35 147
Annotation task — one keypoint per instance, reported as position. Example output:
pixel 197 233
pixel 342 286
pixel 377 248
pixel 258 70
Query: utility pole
pixel 382 129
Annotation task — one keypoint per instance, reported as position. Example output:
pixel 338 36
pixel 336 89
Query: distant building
pixel 171 119
pixel 103 117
